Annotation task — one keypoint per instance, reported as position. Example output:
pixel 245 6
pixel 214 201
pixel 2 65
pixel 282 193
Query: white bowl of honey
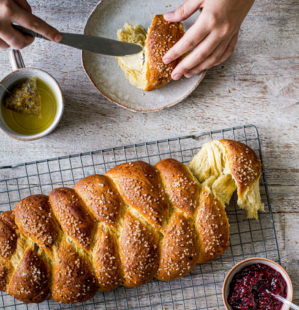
pixel 16 118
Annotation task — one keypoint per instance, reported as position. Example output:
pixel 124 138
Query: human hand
pixel 19 12
pixel 213 36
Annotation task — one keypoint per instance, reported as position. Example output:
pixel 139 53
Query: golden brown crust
pixel 179 250
pixel 73 279
pixel 139 251
pixel 100 194
pixel 139 185
pixel 9 218
pixel 212 227
pixel 179 184
pixel 34 217
pixel 162 36
pixel 106 260
pixel 145 237
pixel 30 282
pixel 8 235
pixel 244 164
pixel 6 272
pixel 73 216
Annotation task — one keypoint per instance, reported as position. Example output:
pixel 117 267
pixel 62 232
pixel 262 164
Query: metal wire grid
pixel 201 289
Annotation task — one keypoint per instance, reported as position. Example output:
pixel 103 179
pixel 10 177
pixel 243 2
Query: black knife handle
pixel 30 32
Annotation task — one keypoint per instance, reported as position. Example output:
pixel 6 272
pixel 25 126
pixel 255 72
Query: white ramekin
pixel 18 74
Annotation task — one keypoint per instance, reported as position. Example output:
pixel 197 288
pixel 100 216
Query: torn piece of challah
pixel 134 223
pixel 226 166
pixel 146 70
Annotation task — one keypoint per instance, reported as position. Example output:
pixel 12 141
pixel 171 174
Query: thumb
pixel 184 11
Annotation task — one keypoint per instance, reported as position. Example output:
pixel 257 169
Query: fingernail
pixel 58 37
pixel 168 15
pixel 176 76
pixel 167 61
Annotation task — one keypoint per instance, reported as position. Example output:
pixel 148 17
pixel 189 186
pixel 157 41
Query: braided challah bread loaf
pixel 134 223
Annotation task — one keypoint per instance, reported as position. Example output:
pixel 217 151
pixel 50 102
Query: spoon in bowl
pixel 283 300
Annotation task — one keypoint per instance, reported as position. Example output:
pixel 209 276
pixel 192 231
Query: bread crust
pixel 106 260
pixel 73 279
pixel 33 216
pixel 179 248
pixel 139 251
pixel 30 281
pixel 8 235
pixel 162 36
pixel 101 196
pixel 212 227
pixel 6 272
pixel 244 164
pixel 140 187
pixel 180 185
pixel 73 216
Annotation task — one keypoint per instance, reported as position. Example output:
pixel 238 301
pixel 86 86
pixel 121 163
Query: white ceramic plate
pixel 104 72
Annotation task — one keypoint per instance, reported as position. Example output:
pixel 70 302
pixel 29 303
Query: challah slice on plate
pixel 134 223
pixel 146 70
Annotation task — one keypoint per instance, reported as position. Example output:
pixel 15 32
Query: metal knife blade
pixel 91 43
pixel 100 45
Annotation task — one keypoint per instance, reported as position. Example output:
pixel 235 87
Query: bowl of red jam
pixel 248 286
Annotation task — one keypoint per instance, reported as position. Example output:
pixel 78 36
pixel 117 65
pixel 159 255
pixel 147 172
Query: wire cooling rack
pixel 202 288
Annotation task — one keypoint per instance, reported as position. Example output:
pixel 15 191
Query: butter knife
pixel 90 43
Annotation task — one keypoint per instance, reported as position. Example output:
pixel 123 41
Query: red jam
pixel 248 288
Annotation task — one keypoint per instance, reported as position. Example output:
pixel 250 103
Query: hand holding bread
pixel 169 53
pixel 213 37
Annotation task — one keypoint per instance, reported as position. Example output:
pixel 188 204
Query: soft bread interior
pixel 211 167
pixel 251 201
pixel 137 35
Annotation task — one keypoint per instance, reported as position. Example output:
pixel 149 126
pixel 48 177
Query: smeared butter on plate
pixel 133 65
pixel 133 62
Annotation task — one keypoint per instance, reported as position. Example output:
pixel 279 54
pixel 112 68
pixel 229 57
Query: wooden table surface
pixel 257 85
